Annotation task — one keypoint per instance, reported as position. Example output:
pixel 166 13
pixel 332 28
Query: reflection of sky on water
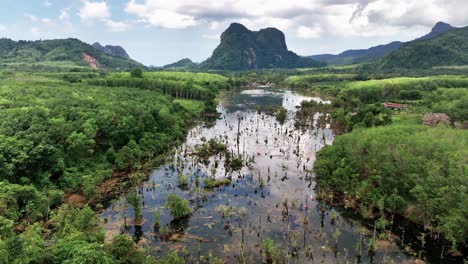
pixel 282 159
pixel 257 98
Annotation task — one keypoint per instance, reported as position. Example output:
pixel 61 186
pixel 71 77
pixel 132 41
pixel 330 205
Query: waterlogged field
pixel 250 185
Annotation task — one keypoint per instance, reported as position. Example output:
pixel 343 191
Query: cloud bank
pixel 306 18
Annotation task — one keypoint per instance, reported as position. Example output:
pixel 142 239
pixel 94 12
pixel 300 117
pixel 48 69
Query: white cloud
pixel 117 26
pixel 46 20
pixel 2 28
pixel 98 12
pixel 303 18
pixel 151 13
pixel 32 18
pixel 64 15
pixel 91 11
pixel 309 32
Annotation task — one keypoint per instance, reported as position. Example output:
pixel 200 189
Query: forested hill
pixel 448 49
pixel 364 55
pixel 242 49
pixel 183 64
pixel 60 51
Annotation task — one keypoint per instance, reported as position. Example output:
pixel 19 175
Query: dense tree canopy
pixel 416 171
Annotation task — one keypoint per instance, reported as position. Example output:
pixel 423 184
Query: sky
pixel 158 32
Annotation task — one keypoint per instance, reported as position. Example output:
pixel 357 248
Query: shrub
pixel 179 207
pixel 182 181
pixel 136 73
pixel 236 164
pixel 271 252
pixel 211 183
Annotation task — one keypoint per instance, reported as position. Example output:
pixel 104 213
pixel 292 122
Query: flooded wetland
pixel 250 184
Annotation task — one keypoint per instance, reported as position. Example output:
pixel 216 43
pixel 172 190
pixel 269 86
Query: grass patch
pixel 193 106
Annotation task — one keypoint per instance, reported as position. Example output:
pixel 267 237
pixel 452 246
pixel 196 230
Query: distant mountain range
pixel 71 51
pixel 242 49
pixel 116 51
pixel 446 49
pixel 373 53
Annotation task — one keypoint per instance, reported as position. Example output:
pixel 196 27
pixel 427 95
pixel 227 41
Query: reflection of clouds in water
pixel 280 151
pixel 259 97
pixel 291 100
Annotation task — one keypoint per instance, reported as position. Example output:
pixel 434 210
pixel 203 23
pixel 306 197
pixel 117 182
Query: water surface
pixel 272 196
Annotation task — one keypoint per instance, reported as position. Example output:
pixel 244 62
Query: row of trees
pixel 178 89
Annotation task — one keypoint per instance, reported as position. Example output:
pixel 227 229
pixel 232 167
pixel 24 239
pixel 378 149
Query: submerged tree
pixel 133 199
pixel 179 207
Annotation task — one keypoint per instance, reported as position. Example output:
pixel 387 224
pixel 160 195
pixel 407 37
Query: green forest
pixel 411 170
pixel 61 137
pixel 67 132
pixel 255 155
pixel 391 163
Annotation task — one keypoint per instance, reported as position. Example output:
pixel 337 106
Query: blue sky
pixel 157 32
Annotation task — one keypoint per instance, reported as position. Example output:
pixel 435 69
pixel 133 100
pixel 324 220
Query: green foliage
pixel 183 64
pixel 172 258
pixel 281 115
pixel 52 132
pixel 210 183
pixel 370 116
pixel 79 251
pixel 22 202
pixel 212 147
pixel 156 217
pixel 236 163
pixel 449 49
pixel 123 249
pixel 413 170
pixel 6 227
pixel 179 207
pixel 182 180
pixel 453 102
pixel 193 106
pixel 308 80
pixel 136 73
pixel 402 88
pixel 133 199
pixel 77 224
pixel 183 85
pixel 271 253
pixel 68 51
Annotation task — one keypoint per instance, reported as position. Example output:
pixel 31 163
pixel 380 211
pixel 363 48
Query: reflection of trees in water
pixel 275 177
pixel 137 232
pixel 180 225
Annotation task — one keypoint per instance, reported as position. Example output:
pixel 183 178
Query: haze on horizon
pixel 157 32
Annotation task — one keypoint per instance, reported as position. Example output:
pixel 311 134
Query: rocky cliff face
pixel 242 49
pixel 116 51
